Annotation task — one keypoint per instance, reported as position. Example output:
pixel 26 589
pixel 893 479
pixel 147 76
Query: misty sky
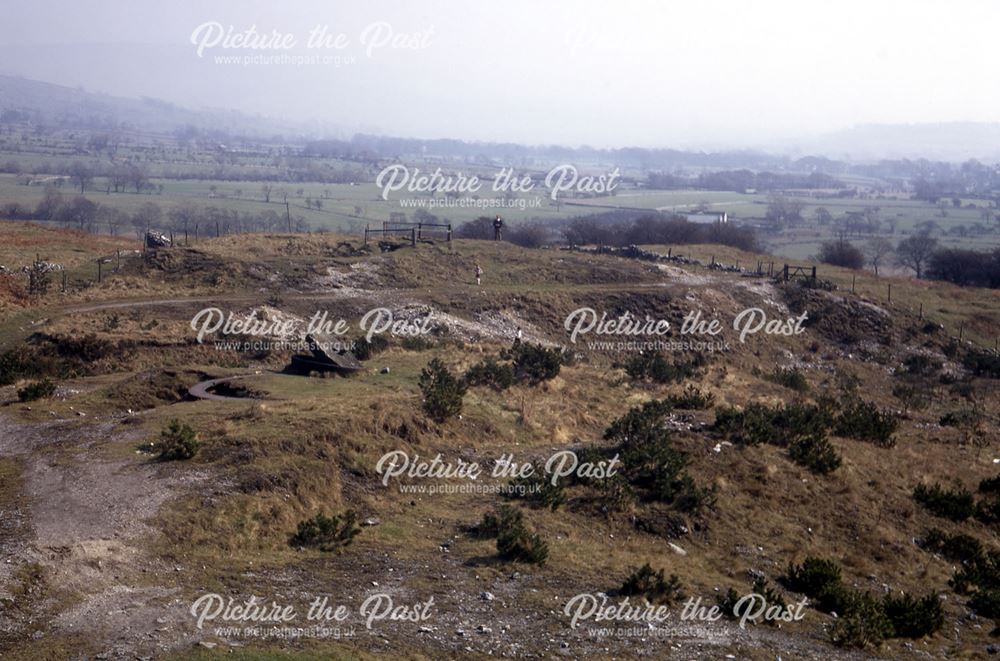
pixel 682 74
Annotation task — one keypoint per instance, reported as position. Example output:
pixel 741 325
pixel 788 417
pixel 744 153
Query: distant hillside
pixel 951 141
pixel 78 107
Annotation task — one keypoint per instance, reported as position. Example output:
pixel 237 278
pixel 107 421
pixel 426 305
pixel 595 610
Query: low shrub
pixel 692 399
pixel 178 441
pixel 865 421
pixel 864 623
pixel 912 617
pixel 815 453
pixel 489 372
pixel 919 364
pixel 812 577
pixel 959 547
pixel 442 391
pixel 656 368
pixel 652 585
pixel 986 603
pixel 326 533
pixel 790 378
pixel 534 363
pixel 503 517
pixel 957 504
pixel 36 390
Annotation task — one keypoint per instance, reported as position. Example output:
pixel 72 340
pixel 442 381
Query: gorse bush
pixel 442 391
pixel 326 533
pixel 489 372
pixel 865 421
pixel 983 363
pixel 959 547
pixel 812 577
pixel 790 378
pixel 534 363
pixel 692 399
pixel 780 425
pixel 178 441
pixel 911 617
pixel 503 517
pixel 652 585
pixel 863 623
pixel 863 619
pixel 650 463
pixel 815 453
pixel 801 428
pixel 514 541
pixel 37 390
pixel 957 504
pixel 655 367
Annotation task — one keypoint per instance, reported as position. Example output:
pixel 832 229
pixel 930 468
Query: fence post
pixel 784 273
pixel 413 237
pixel 98 270
pixel 420 227
pixel 449 232
pixel 119 266
pixel 64 279
pixel 890 293
pixel 366 234
pixel 921 313
pixel 854 280
pixel 814 274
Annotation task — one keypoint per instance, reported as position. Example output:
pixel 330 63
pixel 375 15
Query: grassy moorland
pixel 98 515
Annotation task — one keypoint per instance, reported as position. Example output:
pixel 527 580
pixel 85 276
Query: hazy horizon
pixel 715 75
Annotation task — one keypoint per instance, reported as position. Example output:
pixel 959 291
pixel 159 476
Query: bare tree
pixel 81 175
pixel 266 190
pixel 914 252
pixel 877 251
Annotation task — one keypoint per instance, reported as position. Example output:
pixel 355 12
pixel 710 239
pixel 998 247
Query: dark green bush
pixel 911 617
pixel 655 367
pixel 442 391
pixel 533 362
pixel 790 378
pixel 862 624
pixel 959 418
pixel 37 390
pixel 692 399
pixel 812 577
pixel 650 462
pixel 865 421
pixel 986 603
pixel 957 505
pixel 489 372
pixel 522 546
pixel 326 533
pixel 959 547
pixel 990 485
pixel 503 517
pixel 778 425
pixel 652 585
pixel 178 441
pixel 815 453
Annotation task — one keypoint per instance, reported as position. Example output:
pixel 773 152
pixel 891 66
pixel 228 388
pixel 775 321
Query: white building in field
pixel 706 217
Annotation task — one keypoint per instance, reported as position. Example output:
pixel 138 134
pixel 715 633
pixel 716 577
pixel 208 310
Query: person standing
pixel 498 228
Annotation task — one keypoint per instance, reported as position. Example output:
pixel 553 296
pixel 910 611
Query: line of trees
pixel 187 217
